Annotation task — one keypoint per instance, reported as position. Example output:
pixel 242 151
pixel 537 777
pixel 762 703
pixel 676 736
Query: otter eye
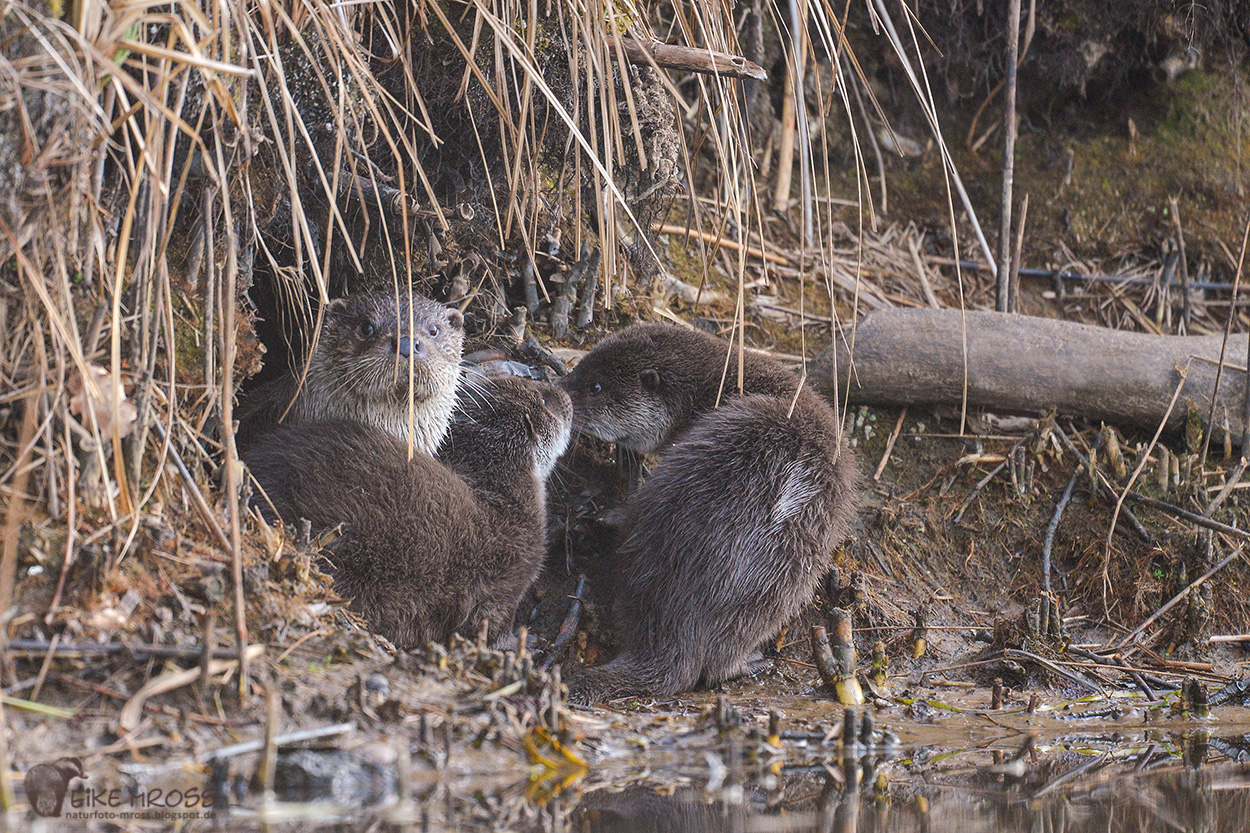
pixel 433 331
pixel 366 329
pixel 596 388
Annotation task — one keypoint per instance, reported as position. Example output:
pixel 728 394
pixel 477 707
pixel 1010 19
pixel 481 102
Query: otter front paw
pixel 587 688
pixel 506 641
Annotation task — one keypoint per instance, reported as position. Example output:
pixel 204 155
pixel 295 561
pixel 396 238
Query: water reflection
pixel 1142 781
pixel 1070 785
pixel 1111 784
pixel 1178 800
pixel 1151 789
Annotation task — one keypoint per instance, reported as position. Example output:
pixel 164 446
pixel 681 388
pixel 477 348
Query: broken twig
pixel 689 58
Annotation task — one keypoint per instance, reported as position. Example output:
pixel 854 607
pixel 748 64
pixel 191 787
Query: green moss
pixel 1117 195
pixel 682 260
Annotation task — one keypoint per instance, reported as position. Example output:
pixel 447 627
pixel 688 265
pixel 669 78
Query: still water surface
pixel 962 774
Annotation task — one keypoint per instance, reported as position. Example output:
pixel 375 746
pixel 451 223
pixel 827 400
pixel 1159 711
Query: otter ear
pixel 335 308
pixel 455 318
pixel 651 379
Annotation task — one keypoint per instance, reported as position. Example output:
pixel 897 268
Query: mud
pixel 939 764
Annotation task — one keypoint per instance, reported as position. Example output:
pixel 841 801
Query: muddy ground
pixel 105 655
pixel 465 721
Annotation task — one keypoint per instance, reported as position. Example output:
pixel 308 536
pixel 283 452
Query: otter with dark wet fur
pixel 427 548
pixel 359 372
pixel 727 540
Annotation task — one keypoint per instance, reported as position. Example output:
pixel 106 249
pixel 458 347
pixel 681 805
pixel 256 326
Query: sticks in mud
pixel 878 676
pixel 568 629
pixel 692 59
pixel 193 489
pixel 1071 676
pixel 1153 503
pixel 248 747
pixel 1054 526
pixel 567 298
pixel 139 652
pixel 1184 594
pixel 920 643
pixel 837 663
pixel 1105 435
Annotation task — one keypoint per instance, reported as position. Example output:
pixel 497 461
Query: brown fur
pixel 358 372
pixel 727 541
pixel 635 409
pixel 427 548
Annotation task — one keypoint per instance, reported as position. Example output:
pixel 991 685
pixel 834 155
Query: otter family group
pixel 436 483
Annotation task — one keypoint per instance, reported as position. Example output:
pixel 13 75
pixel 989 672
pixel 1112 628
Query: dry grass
pixel 179 154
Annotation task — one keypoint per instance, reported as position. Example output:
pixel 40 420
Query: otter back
pixel 723 546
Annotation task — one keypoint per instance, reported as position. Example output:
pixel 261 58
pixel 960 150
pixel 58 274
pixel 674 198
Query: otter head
pixel 361 366
pixel 505 419
pixel 640 386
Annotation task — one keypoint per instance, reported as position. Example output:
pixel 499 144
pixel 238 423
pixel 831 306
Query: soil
pixel 472 720
pixel 944 570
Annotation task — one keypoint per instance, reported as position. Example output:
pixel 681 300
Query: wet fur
pixel 364 380
pixel 427 548
pixel 727 541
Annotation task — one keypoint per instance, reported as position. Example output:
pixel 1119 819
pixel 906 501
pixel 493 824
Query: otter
pixel 359 372
pixel 729 538
pixel 427 548
pixel 642 387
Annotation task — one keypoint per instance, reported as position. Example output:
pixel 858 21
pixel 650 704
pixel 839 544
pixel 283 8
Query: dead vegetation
pixel 182 187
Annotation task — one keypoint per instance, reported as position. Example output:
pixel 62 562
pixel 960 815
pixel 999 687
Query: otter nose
pixel 557 401
pixel 411 347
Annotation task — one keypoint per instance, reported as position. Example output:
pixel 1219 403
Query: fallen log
pixel 1020 364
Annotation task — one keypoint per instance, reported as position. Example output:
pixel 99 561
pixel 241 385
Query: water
pixel 1192 780
pixel 935 767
